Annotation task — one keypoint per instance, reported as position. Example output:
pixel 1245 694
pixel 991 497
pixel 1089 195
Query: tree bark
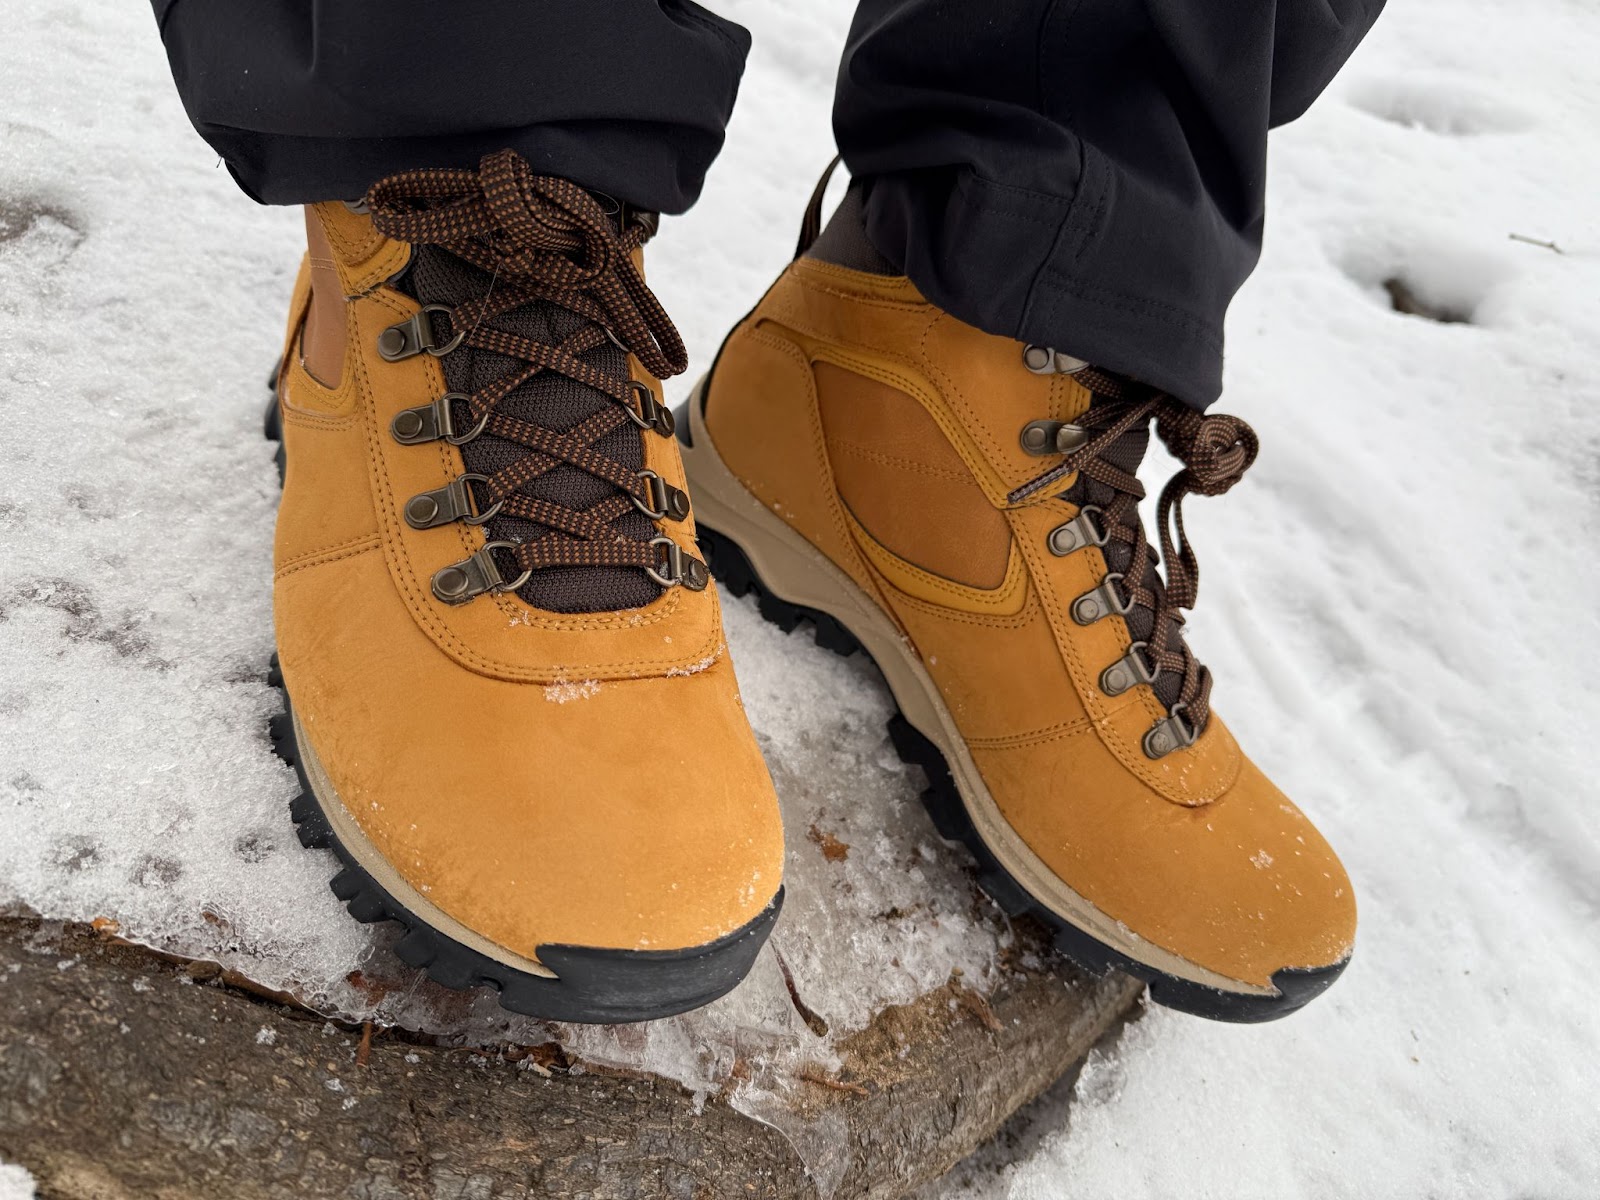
pixel 125 1076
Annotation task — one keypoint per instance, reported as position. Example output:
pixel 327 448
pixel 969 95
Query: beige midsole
pixel 374 864
pixel 795 571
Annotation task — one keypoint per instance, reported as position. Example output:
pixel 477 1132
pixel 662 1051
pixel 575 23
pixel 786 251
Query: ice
pixel 1396 605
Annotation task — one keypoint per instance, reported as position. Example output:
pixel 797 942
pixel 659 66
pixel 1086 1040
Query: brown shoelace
pixel 543 238
pixel 1215 450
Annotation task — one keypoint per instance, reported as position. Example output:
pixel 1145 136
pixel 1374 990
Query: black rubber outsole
pixel 943 801
pixel 592 985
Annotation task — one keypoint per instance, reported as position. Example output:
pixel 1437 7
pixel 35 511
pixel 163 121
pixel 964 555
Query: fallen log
pixel 126 1075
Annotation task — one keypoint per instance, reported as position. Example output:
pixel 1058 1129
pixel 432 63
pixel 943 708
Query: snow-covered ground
pixel 15 1183
pixel 1396 604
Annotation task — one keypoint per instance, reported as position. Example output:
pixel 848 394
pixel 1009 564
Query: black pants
pixel 1085 174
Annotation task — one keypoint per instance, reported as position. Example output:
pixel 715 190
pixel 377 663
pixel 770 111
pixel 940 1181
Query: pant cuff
pixel 1111 273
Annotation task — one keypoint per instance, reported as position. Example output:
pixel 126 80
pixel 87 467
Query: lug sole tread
pixel 942 799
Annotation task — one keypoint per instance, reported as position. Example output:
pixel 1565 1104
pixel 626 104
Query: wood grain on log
pixel 124 1077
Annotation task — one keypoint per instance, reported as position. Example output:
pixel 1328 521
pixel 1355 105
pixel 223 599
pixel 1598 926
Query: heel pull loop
pixel 811 224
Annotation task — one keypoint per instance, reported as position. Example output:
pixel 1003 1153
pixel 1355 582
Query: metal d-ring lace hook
pixel 475 575
pixel 651 414
pixel 673 566
pixel 1170 733
pixel 455 501
pixel 415 335
pixel 1082 530
pixel 1102 600
pixel 1128 672
pixel 435 420
pixel 669 503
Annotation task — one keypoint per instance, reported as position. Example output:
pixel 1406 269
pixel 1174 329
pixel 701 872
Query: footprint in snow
pixel 43 232
pixel 1424 276
pixel 1443 107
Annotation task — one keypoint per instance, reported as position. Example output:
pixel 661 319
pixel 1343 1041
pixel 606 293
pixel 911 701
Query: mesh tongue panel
pixel 554 402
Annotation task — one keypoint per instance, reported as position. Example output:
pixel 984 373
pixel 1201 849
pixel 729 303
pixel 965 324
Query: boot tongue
pixel 1126 453
pixel 555 402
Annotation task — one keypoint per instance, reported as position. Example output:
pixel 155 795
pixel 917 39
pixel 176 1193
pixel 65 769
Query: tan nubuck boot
pixel 512 709
pixel 964 508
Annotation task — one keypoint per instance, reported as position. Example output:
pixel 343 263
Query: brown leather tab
pixel 322 338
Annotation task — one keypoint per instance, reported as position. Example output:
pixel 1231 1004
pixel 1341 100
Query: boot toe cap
pixel 1244 887
pixel 557 816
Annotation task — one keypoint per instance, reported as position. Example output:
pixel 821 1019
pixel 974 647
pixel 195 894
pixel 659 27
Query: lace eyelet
pixel 652 413
pixel 671 504
pixel 476 575
pixel 1044 438
pixel 455 501
pixel 677 567
pixel 434 421
pixel 1074 535
pixel 1103 600
pixel 415 336
pixel 1046 360
pixel 1170 733
pixel 1128 672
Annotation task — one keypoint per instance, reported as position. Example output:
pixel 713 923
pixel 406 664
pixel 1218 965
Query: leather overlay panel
pixel 904 482
pixel 909 580
pixel 761 413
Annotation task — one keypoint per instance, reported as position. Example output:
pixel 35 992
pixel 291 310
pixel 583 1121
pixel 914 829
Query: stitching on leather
pixel 844 356
pixel 910 304
pixel 299 309
pixel 380 266
pixel 353 252
pixel 307 555
pixel 857 450
pixel 306 562
pixel 1013 621
pixel 343 400
pixel 315 421
pixel 953 392
pixel 846 359
pixel 1062 731
pixel 951 587
pixel 357 252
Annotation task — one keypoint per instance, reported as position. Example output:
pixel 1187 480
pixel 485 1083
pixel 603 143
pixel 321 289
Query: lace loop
pixel 1216 451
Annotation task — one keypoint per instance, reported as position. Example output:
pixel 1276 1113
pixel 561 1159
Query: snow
pixel 15 1183
pixel 1396 605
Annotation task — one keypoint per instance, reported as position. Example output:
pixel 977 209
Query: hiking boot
pixel 510 702
pixel 964 508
